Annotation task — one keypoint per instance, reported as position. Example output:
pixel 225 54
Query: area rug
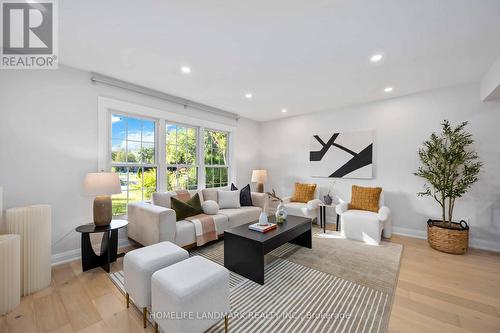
pixel 338 286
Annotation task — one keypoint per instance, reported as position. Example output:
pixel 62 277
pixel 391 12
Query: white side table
pixel 322 216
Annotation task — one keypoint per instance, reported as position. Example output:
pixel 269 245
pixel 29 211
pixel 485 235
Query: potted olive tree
pixel 450 166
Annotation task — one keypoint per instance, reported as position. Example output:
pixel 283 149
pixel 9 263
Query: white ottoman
pixel 190 296
pixel 138 267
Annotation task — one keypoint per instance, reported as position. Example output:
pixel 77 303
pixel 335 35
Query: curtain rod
pixel 98 78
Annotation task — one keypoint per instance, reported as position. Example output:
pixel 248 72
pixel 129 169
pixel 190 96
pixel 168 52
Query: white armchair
pixel 363 225
pixel 309 209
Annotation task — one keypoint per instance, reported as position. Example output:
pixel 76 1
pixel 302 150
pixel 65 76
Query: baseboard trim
pixel 480 244
pixel 71 255
pixel 484 245
pixel 409 232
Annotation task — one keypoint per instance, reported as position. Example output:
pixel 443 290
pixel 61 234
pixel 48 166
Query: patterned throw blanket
pixel 204 224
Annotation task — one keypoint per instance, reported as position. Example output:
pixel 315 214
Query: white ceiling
pixel 302 55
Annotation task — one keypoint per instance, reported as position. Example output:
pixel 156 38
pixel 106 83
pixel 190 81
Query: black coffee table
pixel 244 249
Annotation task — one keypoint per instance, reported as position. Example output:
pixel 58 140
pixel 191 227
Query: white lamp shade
pixel 102 183
pixel 259 176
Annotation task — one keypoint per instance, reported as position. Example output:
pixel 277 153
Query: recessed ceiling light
pixel 284 110
pixel 376 58
pixel 186 69
pixel 388 89
pixel 248 95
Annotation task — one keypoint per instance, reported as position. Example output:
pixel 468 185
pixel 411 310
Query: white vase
pixel 263 219
pixel 281 213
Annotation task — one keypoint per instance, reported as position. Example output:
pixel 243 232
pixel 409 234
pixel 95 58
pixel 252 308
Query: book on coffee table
pixel 262 228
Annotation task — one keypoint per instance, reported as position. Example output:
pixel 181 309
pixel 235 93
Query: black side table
pixel 322 216
pixel 109 244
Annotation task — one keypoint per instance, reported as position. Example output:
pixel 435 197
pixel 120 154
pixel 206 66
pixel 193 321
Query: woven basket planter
pixel 454 239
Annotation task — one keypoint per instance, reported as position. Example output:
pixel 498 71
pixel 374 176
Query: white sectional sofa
pixel 150 223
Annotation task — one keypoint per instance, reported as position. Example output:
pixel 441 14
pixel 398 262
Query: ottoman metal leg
pixel 127 296
pixel 225 324
pixel 145 317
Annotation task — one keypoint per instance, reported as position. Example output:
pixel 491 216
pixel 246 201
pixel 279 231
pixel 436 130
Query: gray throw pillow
pixel 229 199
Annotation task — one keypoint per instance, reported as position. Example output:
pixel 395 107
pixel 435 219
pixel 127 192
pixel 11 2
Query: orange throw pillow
pixel 365 198
pixel 303 192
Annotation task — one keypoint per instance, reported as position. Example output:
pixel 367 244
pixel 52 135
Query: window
pixel 151 153
pixel 133 156
pixel 181 159
pixel 216 158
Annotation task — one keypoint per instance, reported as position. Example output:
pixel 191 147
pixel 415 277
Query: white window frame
pixel 228 165
pixel 197 162
pixel 108 106
pixel 131 164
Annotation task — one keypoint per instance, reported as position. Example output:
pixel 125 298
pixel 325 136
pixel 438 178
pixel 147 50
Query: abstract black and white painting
pixel 342 155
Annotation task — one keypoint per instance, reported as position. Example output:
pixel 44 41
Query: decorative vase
pixel 10 272
pixel 34 225
pixel 281 213
pixel 263 219
pixel 327 199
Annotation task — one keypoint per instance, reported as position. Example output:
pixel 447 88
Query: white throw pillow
pixel 229 199
pixel 210 207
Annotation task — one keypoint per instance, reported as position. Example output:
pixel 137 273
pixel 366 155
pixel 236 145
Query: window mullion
pixel 161 171
pixel 200 148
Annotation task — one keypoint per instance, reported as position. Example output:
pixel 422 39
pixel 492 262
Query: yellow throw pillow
pixel 303 192
pixel 365 198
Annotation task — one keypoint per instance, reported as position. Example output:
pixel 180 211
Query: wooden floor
pixel 436 292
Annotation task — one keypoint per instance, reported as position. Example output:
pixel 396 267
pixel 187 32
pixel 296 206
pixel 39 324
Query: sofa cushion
pixel 239 216
pixel 357 214
pixel 189 208
pixel 163 198
pixel 245 195
pixel 296 208
pixel 185 232
pixel 229 199
pixel 211 193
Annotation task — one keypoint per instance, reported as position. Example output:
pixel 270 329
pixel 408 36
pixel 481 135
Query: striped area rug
pixel 295 298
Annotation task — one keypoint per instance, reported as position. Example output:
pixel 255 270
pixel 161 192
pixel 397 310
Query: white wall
pixel 490 83
pixel 48 142
pixel 247 151
pixel 400 125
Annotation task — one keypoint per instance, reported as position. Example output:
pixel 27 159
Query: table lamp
pixel 259 177
pixel 102 185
